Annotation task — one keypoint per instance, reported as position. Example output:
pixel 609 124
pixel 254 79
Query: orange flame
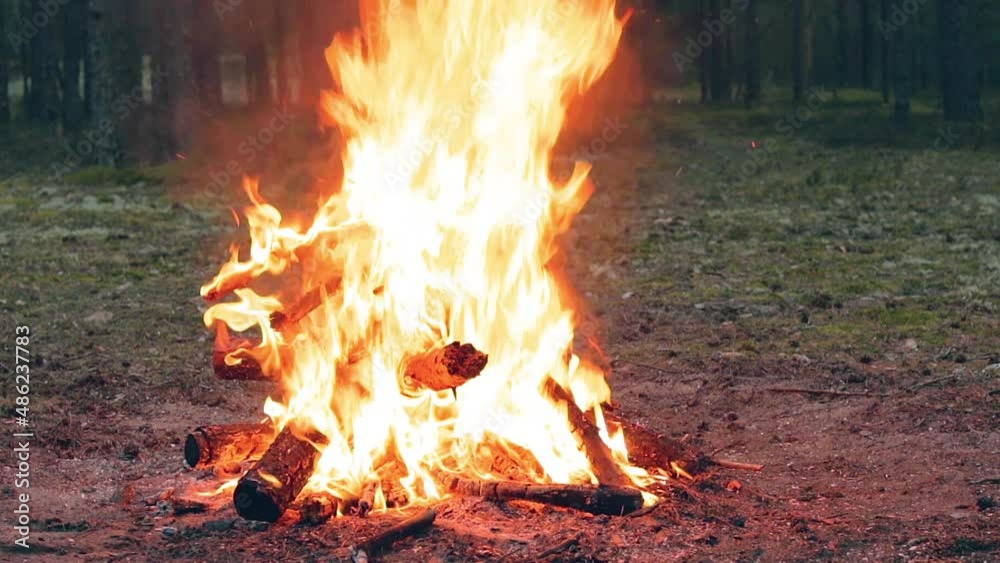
pixel 450 110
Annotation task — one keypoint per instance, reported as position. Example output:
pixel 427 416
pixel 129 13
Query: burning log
pixel 366 502
pixel 650 449
pixel 273 483
pixel 605 468
pixel 395 494
pixel 318 509
pixel 209 445
pixel 447 367
pixel 383 540
pixel 247 370
pixel 595 499
pixel 281 320
pixel 442 368
pixel 229 285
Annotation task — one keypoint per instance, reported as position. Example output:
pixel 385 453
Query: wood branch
pixel 366 502
pixel 309 302
pixel 805 391
pixel 602 463
pixel 229 285
pixel 206 446
pixel 738 465
pixel 266 491
pixel 651 450
pixel 595 499
pixel 383 540
pixel 187 506
pixel 447 367
pixel 560 547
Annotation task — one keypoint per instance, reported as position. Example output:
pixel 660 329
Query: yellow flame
pixel 450 110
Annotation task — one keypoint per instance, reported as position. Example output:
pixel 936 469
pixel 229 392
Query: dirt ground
pixel 721 304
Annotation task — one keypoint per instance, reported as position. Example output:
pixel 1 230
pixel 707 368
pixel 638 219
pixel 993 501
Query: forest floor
pixel 853 261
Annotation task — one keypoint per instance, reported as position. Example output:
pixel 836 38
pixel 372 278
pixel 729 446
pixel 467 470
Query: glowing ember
pixel 450 111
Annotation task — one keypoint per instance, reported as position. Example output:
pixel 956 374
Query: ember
pixel 426 346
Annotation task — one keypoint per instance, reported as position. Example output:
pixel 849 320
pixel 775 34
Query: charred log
pixel 651 450
pixel 603 464
pixel 209 445
pixel 268 489
pixel 595 499
pixel 447 367
pixel 248 369
pixel 383 540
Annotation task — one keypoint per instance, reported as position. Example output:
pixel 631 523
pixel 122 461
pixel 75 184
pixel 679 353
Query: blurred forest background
pixel 149 82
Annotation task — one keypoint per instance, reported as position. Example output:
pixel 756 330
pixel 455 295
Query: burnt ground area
pixel 869 271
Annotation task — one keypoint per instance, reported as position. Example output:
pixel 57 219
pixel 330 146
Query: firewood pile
pixel 282 462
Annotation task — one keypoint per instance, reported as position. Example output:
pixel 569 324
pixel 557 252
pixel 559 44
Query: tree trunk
pixel 24 11
pixel 4 77
pixel 74 48
pixel 703 60
pixel 798 51
pixel 315 34
pixel 752 94
pixel 281 34
pixel 174 93
pixel 843 43
pixel 205 65
pixel 902 79
pixel 808 42
pixel 866 43
pixel 259 73
pixel 101 52
pixel 719 86
pixel 44 102
pixel 884 16
pixel 961 66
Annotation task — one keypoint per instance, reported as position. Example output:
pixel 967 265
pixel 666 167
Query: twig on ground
pixel 382 540
pixel 932 381
pixel 986 481
pixel 647 366
pixel 645 510
pixel 726 447
pixel 805 391
pixel 738 465
pixel 561 546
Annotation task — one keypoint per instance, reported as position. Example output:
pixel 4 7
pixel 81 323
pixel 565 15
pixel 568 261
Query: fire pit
pixel 419 343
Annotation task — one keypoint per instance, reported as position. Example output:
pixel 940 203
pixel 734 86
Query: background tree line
pixel 142 77
pixel 736 48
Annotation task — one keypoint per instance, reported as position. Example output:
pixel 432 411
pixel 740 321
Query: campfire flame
pixel 450 110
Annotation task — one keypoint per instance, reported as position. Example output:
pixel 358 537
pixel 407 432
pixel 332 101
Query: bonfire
pixel 420 343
